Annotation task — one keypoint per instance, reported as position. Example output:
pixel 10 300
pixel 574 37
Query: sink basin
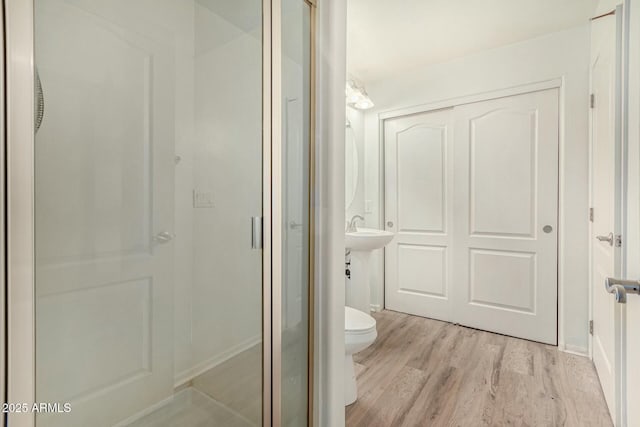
pixel 367 239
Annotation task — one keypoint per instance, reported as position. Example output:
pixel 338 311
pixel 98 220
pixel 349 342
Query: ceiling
pixel 385 36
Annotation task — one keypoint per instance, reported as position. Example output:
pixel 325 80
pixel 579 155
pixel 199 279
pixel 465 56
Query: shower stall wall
pixel 159 223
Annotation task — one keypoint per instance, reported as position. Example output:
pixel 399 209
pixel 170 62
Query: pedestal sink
pixel 361 244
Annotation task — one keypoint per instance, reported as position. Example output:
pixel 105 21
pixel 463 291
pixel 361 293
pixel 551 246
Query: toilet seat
pixel 357 322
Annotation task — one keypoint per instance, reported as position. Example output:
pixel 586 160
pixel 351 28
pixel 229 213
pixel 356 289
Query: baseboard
pixel 146 411
pixel 156 406
pixel 187 375
pixel 375 308
pixel 574 349
pixel 183 379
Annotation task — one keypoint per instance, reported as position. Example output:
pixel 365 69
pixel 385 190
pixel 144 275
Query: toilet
pixel 359 333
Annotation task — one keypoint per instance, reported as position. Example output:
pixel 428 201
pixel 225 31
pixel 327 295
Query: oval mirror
pixel 351 166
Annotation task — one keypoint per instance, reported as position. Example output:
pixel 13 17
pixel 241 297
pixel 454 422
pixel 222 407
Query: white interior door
pixel 472 195
pixel 506 214
pixel 605 255
pixel 419 210
pixel 632 226
pixel 104 190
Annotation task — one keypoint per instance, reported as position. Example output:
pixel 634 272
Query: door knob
pixel 607 238
pixel 163 237
pixel 389 224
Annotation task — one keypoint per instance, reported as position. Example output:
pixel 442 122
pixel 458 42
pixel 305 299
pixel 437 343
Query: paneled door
pixel 419 210
pixel 605 254
pixel 104 160
pixel 506 215
pixel 471 193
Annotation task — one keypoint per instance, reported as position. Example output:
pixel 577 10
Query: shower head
pixel 38 101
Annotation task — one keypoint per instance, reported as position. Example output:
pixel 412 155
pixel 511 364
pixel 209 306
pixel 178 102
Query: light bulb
pixel 364 104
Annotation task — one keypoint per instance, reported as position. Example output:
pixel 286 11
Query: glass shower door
pixel 297 149
pixel 148 170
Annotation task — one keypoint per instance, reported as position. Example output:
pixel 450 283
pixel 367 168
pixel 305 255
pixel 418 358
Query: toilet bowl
pixel 359 333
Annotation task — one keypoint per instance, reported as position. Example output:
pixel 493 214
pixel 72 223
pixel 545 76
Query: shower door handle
pixel 256 232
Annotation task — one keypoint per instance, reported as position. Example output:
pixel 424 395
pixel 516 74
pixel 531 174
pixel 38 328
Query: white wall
pixel 329 213
pixel 560 55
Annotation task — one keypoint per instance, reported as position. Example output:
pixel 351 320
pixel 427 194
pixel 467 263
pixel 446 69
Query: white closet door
pixel 506 214
pixel 418 207
pixel 471 194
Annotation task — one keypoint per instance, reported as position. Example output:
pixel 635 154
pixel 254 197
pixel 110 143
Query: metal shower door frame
pixel 18 207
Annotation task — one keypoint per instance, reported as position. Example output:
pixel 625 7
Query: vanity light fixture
pixel 357 97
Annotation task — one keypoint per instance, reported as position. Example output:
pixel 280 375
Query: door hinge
pixel 618 241
pixel 591 214
pixel 592 101
pixel 591 327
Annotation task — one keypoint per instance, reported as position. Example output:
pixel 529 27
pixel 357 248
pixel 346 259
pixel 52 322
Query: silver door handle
pixel 607 238
pixel 620 287
pixel 163 237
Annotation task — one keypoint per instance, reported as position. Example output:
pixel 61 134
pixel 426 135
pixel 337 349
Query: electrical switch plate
pixel 202 198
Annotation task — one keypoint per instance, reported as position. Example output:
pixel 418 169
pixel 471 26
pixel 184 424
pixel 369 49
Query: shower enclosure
pixel 159 166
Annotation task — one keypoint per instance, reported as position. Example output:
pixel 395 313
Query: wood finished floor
pixel 423 372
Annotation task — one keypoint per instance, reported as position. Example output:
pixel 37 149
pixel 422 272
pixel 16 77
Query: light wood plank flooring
pixel 422 372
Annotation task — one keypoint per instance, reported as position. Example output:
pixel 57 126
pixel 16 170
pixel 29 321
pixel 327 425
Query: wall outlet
pixel 202 198
pixel 368 206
